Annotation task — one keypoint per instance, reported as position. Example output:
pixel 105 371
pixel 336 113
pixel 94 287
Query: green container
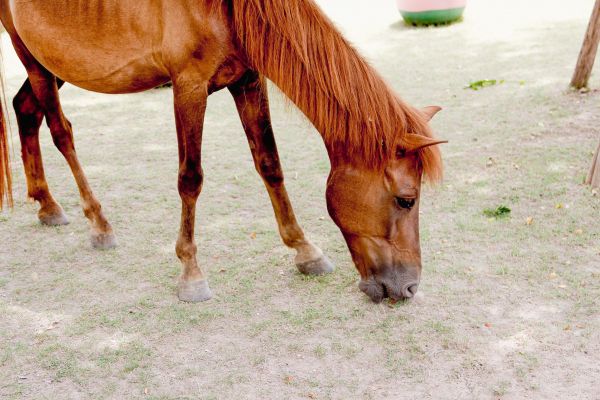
pixel 433 17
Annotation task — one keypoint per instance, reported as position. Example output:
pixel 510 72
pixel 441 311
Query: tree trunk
pixel 593 177
pixel 588 50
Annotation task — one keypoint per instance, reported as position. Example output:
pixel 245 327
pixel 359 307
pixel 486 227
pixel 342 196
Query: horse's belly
pixel 108 52
pixel 105 77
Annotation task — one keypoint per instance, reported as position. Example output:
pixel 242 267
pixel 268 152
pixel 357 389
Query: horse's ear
pixel 415 142
pixel 430 111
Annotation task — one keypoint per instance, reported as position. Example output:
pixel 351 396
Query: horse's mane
pixel 297 47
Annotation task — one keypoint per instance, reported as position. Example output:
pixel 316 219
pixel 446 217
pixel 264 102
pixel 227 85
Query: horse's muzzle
pixel 395 286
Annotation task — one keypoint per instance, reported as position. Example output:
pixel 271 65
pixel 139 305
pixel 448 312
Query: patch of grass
pixel 440 327
pixel 96 318
pixel 498 212
pixel 180 317
pixel 347 350
pixel 259 328
pixel 501 388
pixel 13 391
pixel 483 83
pixel 413 345
pixel 128 358
pixel 320 351
pixel 259 360
pixel 395 361
pixel 12 351
pixel 502 270
pixel 310 317
pixel 60 360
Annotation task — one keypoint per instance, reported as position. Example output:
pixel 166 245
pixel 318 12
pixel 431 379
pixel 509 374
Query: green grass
pixel 498 212
pixel 483 83
pixel 61 361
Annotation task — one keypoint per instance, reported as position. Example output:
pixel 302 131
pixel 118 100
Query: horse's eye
pixel 407 204
pixel 400 153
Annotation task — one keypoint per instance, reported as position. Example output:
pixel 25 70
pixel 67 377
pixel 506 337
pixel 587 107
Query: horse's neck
pixel 297 47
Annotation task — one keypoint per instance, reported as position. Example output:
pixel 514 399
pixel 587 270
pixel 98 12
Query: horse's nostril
pixel 411 290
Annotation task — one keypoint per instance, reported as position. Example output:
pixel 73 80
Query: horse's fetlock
pixel 185 250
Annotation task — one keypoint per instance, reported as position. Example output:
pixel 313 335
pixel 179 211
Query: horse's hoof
pixel 193 291
pixel 57 218
pixel 103 241
pixel 320 266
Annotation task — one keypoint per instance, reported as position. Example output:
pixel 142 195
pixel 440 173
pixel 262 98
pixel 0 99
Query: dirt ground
pixel 510 310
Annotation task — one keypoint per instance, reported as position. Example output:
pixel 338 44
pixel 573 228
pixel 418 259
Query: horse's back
pixel 112 45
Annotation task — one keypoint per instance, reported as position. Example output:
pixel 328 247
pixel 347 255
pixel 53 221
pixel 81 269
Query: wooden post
pixel 587 54
pixel 593 177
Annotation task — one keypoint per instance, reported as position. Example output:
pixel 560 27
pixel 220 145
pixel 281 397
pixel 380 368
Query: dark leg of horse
pixel 250 94
pixel 45 89
pixel 29 119
pixel 190 94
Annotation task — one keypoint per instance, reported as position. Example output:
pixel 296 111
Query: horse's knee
pixel 191 178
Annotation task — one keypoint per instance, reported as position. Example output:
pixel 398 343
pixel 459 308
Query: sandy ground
pixel 510 309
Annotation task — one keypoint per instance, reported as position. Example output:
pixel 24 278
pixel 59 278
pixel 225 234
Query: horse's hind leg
pixel 250 95
pixel 45 88
pixel 29 119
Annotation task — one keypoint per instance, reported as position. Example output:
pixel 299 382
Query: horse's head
pixel 377 210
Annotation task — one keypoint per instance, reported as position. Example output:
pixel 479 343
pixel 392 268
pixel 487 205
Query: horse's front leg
pixel 250 95
pixel 190 94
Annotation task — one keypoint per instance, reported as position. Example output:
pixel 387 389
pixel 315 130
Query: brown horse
pixel 378 146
